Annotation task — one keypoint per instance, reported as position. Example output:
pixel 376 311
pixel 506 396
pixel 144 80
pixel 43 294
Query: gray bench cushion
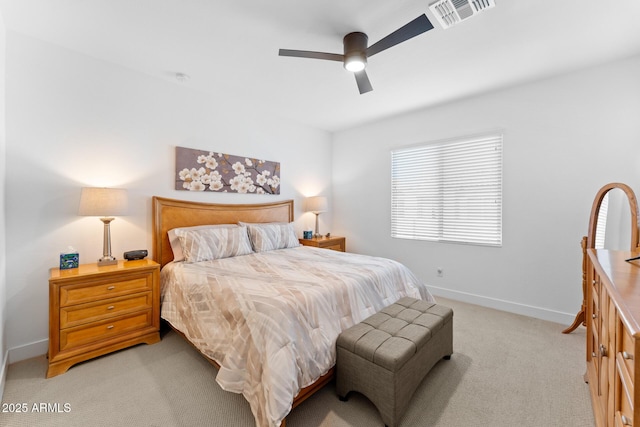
pixel 386 356
pixel 392 336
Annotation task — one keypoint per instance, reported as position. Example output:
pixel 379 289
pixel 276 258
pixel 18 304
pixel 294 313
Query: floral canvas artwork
pixel 200 170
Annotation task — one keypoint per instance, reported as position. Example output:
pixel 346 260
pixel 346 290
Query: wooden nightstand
pixel 96 310
pixel 334 242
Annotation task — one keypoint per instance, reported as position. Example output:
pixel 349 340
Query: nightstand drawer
pixel 90 312
pixel 334 247
pixel 93 332
pixel 101 289
pixel 334 243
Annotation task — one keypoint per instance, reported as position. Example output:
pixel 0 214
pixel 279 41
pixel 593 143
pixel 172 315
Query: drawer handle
pixel 625 421
pixel 603 350
pixel 111 307
pixel 627 355
pixel 594 316
pixel 594 282
pixel 593 354
pixel 110 288
pixel 110 327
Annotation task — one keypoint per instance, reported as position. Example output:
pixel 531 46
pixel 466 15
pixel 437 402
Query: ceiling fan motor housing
pixel 355 51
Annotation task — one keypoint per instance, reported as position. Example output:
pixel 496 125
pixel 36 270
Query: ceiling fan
pixel 356 50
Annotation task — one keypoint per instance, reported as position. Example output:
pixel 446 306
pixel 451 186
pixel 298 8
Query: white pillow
pixel 272 235
pixel 174 239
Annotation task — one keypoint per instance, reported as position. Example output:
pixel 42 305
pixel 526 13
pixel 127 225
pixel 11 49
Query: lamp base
pixel 107 261
pixel 317 233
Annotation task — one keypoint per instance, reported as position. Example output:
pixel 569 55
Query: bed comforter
pixel 271 319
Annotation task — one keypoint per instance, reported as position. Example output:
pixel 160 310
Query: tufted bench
pixel 386 356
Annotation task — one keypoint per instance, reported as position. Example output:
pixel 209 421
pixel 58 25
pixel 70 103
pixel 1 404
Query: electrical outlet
pixel 440 272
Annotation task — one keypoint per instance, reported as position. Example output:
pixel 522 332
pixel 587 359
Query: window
pixel 448 191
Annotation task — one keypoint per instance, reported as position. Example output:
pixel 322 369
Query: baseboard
pixel 3 373
pixel 28 351
pixel 508 306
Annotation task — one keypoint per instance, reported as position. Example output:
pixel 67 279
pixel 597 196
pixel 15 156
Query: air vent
pixel 450 12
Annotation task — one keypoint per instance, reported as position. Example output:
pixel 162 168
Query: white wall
pixel 564 138
pixel 74 121
pixel 3 276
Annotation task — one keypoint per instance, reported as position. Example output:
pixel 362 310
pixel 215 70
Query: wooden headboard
pixel 170 213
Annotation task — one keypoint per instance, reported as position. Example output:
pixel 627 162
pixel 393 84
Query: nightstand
pixel 334 242
pixel 97 310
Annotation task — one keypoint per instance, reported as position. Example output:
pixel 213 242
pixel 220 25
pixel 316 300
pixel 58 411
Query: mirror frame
pixel 588 242
pixel 595 209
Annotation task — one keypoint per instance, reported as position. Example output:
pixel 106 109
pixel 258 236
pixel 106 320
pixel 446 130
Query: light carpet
pixel 506 370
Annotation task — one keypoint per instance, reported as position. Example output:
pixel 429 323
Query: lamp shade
pixel 317 204
pixel 96 201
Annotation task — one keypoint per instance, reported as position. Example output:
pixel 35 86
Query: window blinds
pixel 448 191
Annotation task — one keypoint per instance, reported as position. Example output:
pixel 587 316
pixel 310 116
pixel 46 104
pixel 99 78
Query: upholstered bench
pixel 386 356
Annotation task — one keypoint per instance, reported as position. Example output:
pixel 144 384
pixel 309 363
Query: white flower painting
pixel 198 170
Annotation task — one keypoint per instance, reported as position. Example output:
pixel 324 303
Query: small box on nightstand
pixel 69 260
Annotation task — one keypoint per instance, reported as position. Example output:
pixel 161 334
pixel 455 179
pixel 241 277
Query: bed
pixel 268 317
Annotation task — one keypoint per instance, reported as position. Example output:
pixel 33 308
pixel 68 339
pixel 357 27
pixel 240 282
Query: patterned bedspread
pixel 271 319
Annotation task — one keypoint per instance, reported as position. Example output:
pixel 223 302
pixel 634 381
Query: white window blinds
pixel 448 191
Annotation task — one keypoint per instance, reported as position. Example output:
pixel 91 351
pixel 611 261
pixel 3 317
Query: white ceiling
pixel 229 48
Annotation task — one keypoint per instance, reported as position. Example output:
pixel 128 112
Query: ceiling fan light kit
pixel 355 63
pixel 450 12
pixel 356 49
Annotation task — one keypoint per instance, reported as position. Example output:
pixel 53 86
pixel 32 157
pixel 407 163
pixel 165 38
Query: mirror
pixel 613 224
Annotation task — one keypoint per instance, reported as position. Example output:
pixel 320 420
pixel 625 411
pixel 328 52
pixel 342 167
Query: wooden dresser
pixel 96 310
pixel 613 336
pixel 334 242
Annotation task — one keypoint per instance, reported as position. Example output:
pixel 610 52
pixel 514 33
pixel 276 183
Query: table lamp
pixel 105 203
pixel 317 204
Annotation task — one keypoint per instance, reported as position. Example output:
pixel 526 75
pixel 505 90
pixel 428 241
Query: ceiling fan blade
pixel 364 85
pixel 310 54
pixel 414 28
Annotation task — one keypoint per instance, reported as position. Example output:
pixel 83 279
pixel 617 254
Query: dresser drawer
pixel 93 332
pixel 594 346
pixel 625 390
pixel 101 289
pixel 624 416
pixel 80 314
pixel 627 352
pixel 595 289
pixel 620 421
